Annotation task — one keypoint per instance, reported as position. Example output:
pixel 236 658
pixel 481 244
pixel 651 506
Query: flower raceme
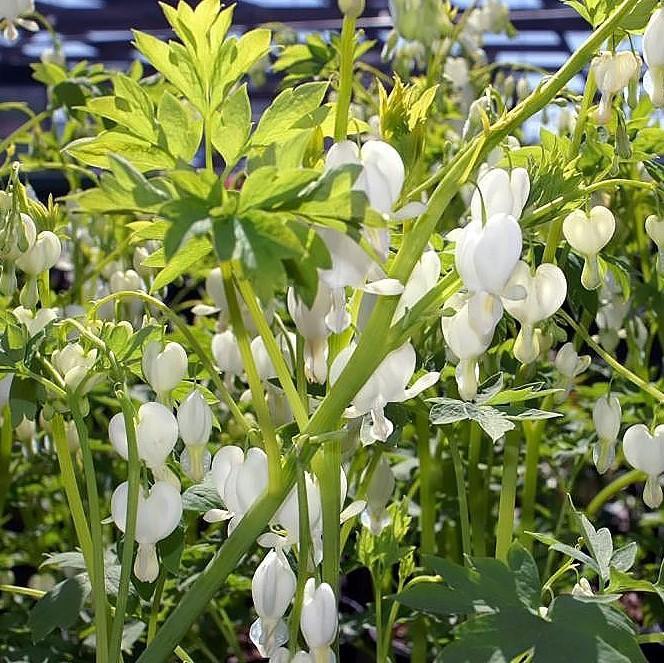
pixel 272 589
pixel 158 514
pixel 653 54
pixel 613 73
pixel 588 234
pixel 606 417
pixel 645 452
pixel 388 384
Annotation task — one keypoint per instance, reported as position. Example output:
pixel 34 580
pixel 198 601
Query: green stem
pixel 378 599
pixel 612 362
pixel 427 490
pixel 507 495
pixel 156 605
pixel 6 442
pixel 464 520
pixel 72 493
pixel 37 119
pixel 253 378
pixel 612 489
pixel 274 352
pixel 133 478
pixel 98 575
pixel 475 489
pixel 329 475
pixel 347 54
pixel 209 164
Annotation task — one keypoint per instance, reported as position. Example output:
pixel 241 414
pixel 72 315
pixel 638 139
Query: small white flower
pixel 588 234
pixel 158 514
pixel 500 192
pixel 645 452
pixel 164 367
pixel 12 14
pixel 379 492
pixel 422 279
pixel 42 255
pixel 320 619
pixel 5 389
pixel 75 364
pixel 195 424
pixel 653 54
pixel 35 321
pixel 227 354
pixel 655 230
pixel 613 73
pixel 606 417
pixel 569 364
pixel 456 69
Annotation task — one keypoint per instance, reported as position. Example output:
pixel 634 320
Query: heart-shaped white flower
pixel 164 367
pixel 588 234
pixel 500 192
pixel 645 452
pixel 613 73
pixel 655 230
pixel 606 417
pixel 545 290
pixel 158 514
pixel 653 53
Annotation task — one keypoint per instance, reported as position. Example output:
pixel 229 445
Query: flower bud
pixel 195 424
pixel 164 367
pixel 320 619
pixel 606 418
pixel 122 281
pixel 653 54
pixel 351 8
pixel 25 431
pixel 158 514
pixel 74 364
pixel 379 492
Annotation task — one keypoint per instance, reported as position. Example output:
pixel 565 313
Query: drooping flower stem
pixel 344 94
pixel 464 520
pixel 133 479
pixel 253 378
pixel 612 489
pixel 274 352
pixel 507 494
pixel 70 485
pixel 98 575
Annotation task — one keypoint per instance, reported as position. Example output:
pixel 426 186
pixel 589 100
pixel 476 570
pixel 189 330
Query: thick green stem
pixel 612 489
pixel 98 575
pixel 427 490
pixel 269 434
pixel 72 493
pixel 275 354
pixel 475 489
pixel 464 520
pixel 133 478
pixel 507 494
pixel 347 55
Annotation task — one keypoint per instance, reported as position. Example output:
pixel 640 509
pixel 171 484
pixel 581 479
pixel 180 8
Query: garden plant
pixel 373 374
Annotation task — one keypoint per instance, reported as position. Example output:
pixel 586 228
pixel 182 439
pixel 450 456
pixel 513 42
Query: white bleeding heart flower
pixel 226 352
pixel 195 424
pixel 582 589
pixel 388 384
pixel 158 514
pixel 156 435
pixel 645 452
pixel 42 255
pixel 456 69
pixel 613 73
pixel 74 365
pixel 272 589
pixel 164 366
pixel 35 321
pixel 19 239
pixel 606 418
pixel 465 343
pixel 264 365
pixel 545 290
pixel 570 365
pixel 379 492
pixel 12 14
pixel 320 619
pixel 588 234
pixel 500 192
pixel 26 430
pixel 655 230
pixel 610 318
pixel 653 54
pixel 422 279
pixel 310 323
pixel 239 480
pixel 126 281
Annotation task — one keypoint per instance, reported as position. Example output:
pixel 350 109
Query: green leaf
pixel 623 559
pixel 171 549
pixel 191 253
pixel 231 133
pixel 95 151
pixel 270 187
pixel 182 126
pixel 122 112
pixel 521 394
pixel 290 110
pixel 201 497
pixel 526 575
pixel 58 608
